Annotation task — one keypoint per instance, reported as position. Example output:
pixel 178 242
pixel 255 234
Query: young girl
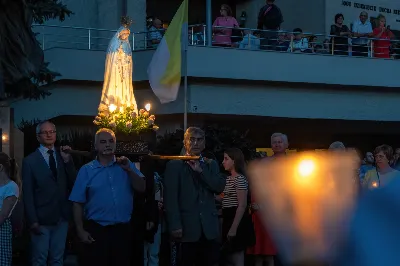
pixel 9 193
pixel 237 229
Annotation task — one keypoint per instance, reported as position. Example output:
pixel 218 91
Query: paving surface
pixel 71 260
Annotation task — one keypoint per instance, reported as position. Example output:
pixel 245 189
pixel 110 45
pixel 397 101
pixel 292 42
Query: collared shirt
pixel 106 192
pixel 359 27
pixel 43 150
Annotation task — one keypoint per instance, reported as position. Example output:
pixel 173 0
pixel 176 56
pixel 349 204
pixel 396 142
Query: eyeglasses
pixel 196 140
pixel 51 132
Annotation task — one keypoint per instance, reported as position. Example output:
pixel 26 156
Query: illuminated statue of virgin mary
pixel 117 87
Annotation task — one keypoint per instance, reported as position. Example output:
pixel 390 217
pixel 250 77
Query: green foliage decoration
pixel 125 121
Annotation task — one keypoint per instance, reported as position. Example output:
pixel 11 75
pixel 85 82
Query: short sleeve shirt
pixel 8 190
pixel 105 191
pixel 233 183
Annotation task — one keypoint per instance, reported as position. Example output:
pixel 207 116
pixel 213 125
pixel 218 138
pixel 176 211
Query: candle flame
pixel 112 107
pixel 306 168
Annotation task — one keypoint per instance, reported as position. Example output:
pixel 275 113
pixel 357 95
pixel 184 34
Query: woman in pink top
pixel 222 36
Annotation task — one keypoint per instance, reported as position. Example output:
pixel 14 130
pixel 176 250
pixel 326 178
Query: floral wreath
pixel 126 120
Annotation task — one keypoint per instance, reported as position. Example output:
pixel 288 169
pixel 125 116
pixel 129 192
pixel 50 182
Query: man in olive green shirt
pixel 191 214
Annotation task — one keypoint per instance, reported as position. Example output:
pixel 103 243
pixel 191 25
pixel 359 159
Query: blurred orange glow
pixel 306 199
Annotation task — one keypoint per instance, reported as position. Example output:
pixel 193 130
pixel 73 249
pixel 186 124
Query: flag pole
pixel 185 83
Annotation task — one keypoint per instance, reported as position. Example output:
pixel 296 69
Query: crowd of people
pixel 204 216
pixel 362 38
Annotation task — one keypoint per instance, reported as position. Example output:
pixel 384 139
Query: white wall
pixel 97 14
pixel 317 15
pixel 352 9
pixel 240 64
pixel 298 102
pixel 307 15
pixel 229 98
pixel 83 100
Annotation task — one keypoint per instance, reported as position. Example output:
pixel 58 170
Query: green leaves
pixel 128 121
pixel 43 10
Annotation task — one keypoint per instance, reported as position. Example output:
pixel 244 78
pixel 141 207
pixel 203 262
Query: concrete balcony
pixel 226 63
pixel 229 81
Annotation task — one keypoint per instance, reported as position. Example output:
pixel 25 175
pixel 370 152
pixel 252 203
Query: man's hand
pixel 124 163
pixel 177 234
pixel 65 156
pixel 195 165
pixel 85 237
pixel 35 228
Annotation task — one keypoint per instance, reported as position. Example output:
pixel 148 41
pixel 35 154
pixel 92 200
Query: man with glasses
pixel 189 204
pixel 362 30
pixel 48 175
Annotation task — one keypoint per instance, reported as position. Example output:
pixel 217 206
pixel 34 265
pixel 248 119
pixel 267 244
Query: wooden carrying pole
pixel 144 155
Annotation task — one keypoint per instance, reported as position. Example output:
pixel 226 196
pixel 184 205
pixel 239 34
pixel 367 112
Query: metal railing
pixel 54 36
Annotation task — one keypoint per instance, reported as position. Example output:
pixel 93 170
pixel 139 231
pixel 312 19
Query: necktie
pixel 52 163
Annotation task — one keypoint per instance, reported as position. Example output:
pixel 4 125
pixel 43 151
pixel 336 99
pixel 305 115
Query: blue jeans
pixel 152 250
pixel 48 248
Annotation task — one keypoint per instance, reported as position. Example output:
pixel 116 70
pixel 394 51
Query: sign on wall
pixel 352 9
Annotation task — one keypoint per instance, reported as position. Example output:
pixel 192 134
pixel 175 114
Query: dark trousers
pixel 112 245
pixel 201 253
pixel 360 50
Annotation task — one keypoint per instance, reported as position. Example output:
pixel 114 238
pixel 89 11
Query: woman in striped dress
pixel 237 229
pixel 9 193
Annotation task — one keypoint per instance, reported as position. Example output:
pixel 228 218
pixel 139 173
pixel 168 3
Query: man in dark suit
pixel 48 175
pixel 189 203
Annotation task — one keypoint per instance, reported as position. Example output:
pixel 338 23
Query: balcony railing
pixel 52 36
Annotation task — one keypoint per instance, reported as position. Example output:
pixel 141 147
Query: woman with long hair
pixel 10 184
pixel 237 229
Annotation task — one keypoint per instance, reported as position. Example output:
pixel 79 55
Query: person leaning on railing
pixel 222 27
pixel 341 33
pixel 383 34
pixel 361 31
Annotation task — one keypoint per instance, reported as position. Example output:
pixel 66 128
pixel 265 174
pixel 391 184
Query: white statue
pixel 117 91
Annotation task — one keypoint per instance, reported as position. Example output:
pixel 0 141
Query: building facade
pixel 263 87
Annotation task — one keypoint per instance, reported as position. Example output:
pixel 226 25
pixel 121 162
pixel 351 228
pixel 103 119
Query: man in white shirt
pixel 362 30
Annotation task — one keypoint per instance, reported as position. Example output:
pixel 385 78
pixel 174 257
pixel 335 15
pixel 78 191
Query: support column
pixel 209 22
pixel 137 11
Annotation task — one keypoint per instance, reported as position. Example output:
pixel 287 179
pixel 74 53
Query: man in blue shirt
pixel 103 197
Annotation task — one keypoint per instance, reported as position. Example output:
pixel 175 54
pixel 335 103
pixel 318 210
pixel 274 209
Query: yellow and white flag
pixel 165 68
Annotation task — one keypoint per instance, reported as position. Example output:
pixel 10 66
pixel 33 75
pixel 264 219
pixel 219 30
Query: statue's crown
pixel 126 21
